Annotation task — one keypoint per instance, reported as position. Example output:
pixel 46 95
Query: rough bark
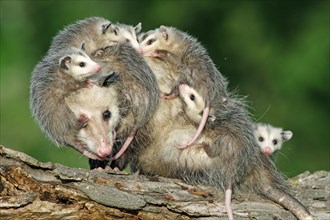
pixel 30 189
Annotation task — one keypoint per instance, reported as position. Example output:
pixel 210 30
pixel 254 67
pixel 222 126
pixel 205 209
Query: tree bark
pixel 30 189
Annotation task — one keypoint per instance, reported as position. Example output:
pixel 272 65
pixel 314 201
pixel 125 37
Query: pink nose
pixel 140 51
pixel 104 150
pixel 98 68
pixel 267 150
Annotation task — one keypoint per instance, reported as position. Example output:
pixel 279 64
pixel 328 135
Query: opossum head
pixel 97 115
pixel 122 33
pixel 195 104
pixel 78 64
pixel 269 138
pixel 163 39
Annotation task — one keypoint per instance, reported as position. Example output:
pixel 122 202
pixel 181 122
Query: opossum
pixel 233 155
pixel 138 90
pixel 97 111
pixel 95 33
pixel 56 77
pixel 270 139
pixel 190 64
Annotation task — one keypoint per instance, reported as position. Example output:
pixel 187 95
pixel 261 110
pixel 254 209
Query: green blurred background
pixel 276 52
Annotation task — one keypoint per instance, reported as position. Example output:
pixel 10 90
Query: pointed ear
pixel 64 62
pixel 164 32
pixel 82 47
pixel 138 28
pixel 105 27
pixel 286 135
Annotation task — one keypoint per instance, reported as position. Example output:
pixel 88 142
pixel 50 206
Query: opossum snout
pixel 267 150
pixel 104 149
pixel 98 68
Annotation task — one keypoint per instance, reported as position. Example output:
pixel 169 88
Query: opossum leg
pixel 98 52
pixel 126 144
pixel 287 201
pixel 199 130
pixel 229 209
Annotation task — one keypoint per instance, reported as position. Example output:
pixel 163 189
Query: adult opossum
pixel 138 91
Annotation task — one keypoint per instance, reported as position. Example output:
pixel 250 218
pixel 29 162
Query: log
pixel 30 189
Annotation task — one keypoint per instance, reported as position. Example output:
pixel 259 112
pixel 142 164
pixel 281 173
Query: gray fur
pixel 138 92
pixel 226 153
pixel 49 86
pixel 88 31
pixel 94 33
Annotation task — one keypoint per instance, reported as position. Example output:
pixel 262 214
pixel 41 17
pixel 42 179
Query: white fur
pixel 98 133
pixel 194 107
pixel 90 67
pixel 266 135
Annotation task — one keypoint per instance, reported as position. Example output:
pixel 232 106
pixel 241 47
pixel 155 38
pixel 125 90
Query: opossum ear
pixel 105 27
pixel 82 47
pixel 163 30
pixel 64 62
pixel 138 28
pixel 286 135
pixel 82 121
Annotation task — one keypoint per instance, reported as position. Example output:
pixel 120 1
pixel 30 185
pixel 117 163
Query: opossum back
pixel 137 80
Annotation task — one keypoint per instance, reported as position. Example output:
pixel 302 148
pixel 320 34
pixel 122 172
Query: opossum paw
pixel 90 83
pixel 97 53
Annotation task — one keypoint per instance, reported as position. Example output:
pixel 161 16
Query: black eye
pixel 106 115
pixel 115 32
pixel 149 42
pixel 127 41
pixel 261 139
pixel 192 97
pixel 82 64
pixel 274 141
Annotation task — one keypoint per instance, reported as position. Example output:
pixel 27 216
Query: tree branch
pixel 30 189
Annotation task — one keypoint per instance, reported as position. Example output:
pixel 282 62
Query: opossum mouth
pixel 94 156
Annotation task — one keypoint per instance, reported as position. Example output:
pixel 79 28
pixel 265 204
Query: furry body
pixel 95 33
pixel 190 64
pixel 226 153
pixel 55 78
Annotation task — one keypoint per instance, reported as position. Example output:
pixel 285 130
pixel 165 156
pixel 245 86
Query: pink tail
pixel 126 144
pixel 229 208
pixel 200 128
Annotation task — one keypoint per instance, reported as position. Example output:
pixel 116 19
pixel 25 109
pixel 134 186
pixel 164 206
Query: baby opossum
pixel 55 77
pixel 137 86
pixel 233 149
pixel 190 64
pixel 226 155
pixel 95 33
pixel 270 139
